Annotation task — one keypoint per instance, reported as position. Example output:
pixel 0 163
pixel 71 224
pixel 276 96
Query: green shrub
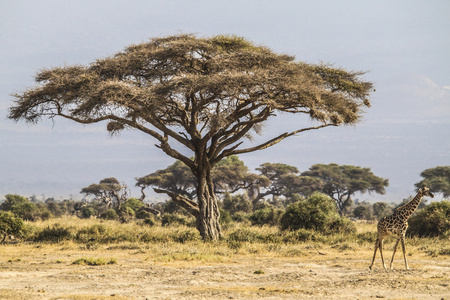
pixel 176 219
pixel 433 220
pixel 133 203
pixel 185 236
pixel 266 216
pixel 87 212
pixel 225 217
pixel 300 235
pixel 341 225
pixel 318 212
pixel 110 214
pixel 10 225
pixel 243 235
pixel 96 232
pixel 241 217
pixel 237 203
pixel 149 222
pixel 142 214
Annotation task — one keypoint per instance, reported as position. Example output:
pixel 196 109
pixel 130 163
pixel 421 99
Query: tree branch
pixel 276 140
pixel 189 205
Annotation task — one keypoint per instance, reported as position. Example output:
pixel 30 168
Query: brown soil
pixel 47 272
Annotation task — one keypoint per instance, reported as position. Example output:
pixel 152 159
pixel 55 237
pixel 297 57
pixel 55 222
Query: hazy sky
pixel 404 46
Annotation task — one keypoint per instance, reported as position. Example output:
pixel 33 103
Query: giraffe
pixel 396 225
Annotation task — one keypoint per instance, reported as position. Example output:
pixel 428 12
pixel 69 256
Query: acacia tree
pixel 340 182
pixel 204 94
pixel 108 191
pixel 437 179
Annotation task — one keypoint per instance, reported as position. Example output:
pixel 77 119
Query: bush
pixel 142 214
pixel 237 203
pixel 341 225
pixel 225 217
pixel 54 234
pixel 243 235
pixel 149 222
pixel 301 235
pixel 96 232
pixel 433 220
pixel 126 214
pixel 318 212
pixel 176 219
pixel 10 225
pixel 267 215
pixel 241 217
pixel 132 203
pixel 87 212
pixel 110 214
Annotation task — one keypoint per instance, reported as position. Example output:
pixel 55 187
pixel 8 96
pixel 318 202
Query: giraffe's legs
pixel 393 254
pixel 374 254
pixel 378 244
pixel 381 253
pixel 404 252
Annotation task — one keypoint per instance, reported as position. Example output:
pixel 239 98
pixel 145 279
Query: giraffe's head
pixel 426 192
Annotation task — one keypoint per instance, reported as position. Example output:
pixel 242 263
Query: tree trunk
pixel 209 214
pixel 206 209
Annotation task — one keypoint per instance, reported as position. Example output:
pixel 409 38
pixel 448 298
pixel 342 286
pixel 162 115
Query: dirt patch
pixel 30 272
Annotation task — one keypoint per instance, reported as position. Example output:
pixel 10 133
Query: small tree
pixel 108 192
pixel 343 181
pixel 275 183
pixel 437 180
pixel 203 94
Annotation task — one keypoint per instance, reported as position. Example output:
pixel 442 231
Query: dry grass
pixel 259 262
pixel 178 244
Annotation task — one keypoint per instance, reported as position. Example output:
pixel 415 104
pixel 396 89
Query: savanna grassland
pixel 70 258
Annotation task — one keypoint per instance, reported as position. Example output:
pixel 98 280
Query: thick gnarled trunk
pixel 209 214
pixel 205 210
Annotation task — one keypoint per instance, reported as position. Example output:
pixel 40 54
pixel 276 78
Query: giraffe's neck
pixel 409 208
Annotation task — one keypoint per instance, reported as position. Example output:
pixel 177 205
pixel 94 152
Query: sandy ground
pixel 33 272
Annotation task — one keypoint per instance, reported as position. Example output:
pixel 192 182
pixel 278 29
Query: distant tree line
pixel 278 195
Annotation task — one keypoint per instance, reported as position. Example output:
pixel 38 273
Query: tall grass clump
pixel 92 261
pixel 54 234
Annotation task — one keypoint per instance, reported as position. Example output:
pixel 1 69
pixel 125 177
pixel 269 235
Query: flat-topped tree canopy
pixel 206 94
pixel 213 89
